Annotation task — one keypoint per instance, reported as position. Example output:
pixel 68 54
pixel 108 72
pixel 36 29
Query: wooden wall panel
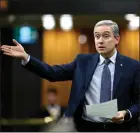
pixel 129 44
pixel 59 48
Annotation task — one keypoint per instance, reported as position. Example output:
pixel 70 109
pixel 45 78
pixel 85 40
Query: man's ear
pixel 117 39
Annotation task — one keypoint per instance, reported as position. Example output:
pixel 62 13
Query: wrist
pixel 127 116
pixel 25 57
pixel 125 112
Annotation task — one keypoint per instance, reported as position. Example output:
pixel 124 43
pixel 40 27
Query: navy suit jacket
pixel 126 84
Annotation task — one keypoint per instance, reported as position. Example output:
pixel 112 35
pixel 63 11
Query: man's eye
pixel 106 36
pixel 97 36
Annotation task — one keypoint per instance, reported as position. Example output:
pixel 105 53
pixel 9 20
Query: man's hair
pixel 110 23
pixel 52 90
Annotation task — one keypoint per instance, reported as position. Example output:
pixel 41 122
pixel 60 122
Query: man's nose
pixel 100 40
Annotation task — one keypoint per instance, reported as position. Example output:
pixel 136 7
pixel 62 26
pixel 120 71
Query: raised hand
pixel 15 51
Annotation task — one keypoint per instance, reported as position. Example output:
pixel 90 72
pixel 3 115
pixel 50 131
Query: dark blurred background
pixel 54 31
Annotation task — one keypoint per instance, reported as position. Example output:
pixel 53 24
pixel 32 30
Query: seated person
pixel 52 108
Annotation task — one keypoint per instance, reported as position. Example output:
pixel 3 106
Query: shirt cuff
pixel 25 62
pixel 129 115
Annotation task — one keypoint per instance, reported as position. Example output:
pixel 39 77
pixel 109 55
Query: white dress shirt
pixel 93 93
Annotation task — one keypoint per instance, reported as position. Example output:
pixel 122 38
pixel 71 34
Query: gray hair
pixel 110 23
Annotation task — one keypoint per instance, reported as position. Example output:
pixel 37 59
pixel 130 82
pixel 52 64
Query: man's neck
pixel 109 55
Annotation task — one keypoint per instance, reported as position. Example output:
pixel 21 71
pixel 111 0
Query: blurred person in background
pixel 96 78
pixel 52 108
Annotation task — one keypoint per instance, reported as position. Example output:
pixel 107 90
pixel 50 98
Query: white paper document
pixel 107 110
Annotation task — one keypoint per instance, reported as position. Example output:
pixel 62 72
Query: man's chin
pixel 102 52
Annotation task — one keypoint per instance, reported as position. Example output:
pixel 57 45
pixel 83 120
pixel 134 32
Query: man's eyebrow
pixel 106 32
pixel 103 32
pixel 96 33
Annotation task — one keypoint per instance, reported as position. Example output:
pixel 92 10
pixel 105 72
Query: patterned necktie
pixel 105 94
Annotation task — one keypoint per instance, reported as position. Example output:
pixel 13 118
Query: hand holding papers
pixel 107 110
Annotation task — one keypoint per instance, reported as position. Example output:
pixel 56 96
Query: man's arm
pixel 135 108
pixel 52 73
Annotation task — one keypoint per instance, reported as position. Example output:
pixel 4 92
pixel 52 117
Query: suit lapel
pixel 118 72
pixel 90 69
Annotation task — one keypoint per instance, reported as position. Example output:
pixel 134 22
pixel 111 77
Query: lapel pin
pixel 121 64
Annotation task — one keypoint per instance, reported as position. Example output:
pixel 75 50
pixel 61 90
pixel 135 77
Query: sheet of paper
pixel 107 110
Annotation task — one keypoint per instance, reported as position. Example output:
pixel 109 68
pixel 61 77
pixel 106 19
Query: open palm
pixel 14 51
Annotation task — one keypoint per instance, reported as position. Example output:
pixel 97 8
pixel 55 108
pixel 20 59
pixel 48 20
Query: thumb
pixel 118 113
pixel 15 42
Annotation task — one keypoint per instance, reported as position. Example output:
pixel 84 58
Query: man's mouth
pixel 101 47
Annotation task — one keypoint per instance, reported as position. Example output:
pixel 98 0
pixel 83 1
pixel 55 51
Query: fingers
pixel 7 53
pixel 10 47
pixel 5 48
pixel 15 42
pixel 118 119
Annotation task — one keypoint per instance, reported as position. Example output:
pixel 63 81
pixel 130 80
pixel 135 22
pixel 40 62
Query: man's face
pixel 51 98
pixel 105 41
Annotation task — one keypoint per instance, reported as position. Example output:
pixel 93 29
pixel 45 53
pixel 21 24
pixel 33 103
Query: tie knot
pixel 107 61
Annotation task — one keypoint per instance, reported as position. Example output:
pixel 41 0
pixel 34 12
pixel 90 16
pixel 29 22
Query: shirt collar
pixel 112 58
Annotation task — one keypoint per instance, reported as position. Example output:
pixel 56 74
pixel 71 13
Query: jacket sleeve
pixel 52 73
pixel 135 107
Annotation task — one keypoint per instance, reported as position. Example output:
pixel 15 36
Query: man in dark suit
pixel 96 78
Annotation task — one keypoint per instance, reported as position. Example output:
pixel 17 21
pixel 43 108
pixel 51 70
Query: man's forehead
pixel 101 29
